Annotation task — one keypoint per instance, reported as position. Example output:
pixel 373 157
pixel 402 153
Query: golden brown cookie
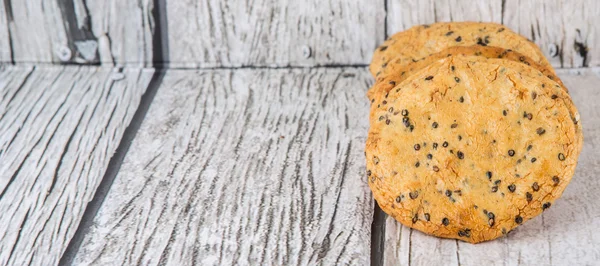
pixel 471 147
pixel 421 41
pixel 404 67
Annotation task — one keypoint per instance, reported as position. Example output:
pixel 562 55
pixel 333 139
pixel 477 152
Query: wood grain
pixel 59 127
pixel 250 167
pixel 110 32
pixel 210 33
pixel 565 234
pixel 5 49
pixel 566 31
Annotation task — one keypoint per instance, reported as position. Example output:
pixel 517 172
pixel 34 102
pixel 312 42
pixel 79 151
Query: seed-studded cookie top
pixel 479 156
pixel 420 41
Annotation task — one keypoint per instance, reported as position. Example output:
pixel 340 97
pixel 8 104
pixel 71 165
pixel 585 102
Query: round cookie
pixel 421 41
pixel 472 158
pixel 404 67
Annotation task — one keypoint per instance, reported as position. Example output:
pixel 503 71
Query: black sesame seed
pixel 375 159
pixel 381 118
pixel 417 147
pixel 458 39
pixel 459 137
pixel 491 222
pixel 533 95
pixel 518 219
pixel 540 131
pixel 404 112
pixel 452 68
pixel 445 221
pixel 561 157
pixel 512 187
pixel 383 48
pixel 457 79
pixel 491 215
pixel 455 125
pixel 504 112
pixel 489 175
pixel 391 110
pixel 501 30
pixel 460 155
pixel 406 121
pixel 384 102
pixel 529 197
pixel 413 194
pixel 426 216
pixel 480 42
pixel 511 153
pixel 393 83
pixel 533 160
pixel 546 205
pixel 436 169
pixel 415 218
pixel 429 156
pixel 411 128
pixel 417 164
pixel 449 33
pixel 448 193
pixel 529 147
pixel 463 233
pixel 445 144
pixel 494 188
pixel 373 179
pixel 497 182
pixel 387 121
pixel 434 125
pixel 398 199
pixel 556 180
pixel 554 97
pixel 530 116
pixel 461 99
pixel 535 186
pixel 429 78
pixel 368 172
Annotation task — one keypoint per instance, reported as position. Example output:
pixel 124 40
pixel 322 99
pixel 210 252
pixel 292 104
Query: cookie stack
pixel 471 131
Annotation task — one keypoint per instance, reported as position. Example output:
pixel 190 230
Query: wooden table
pixel 206 133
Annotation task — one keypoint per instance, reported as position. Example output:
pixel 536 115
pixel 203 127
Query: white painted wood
pixel 59 127
pixel 565 234
pixel 111 32
pixel 555 25
pixel 248 167
pixel 403 14
pixel 5 55
pixel 209 33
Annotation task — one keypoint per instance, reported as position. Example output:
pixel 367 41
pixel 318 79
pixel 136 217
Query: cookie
pixel 405 65
pixel 471 147
pixel 423 40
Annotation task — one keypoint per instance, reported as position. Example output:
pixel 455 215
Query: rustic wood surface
pixel 566 31
pixel 208 33
pixel 251 167
pixel 59 126
pixel 5 54
pixel 111 32
pixel 565 234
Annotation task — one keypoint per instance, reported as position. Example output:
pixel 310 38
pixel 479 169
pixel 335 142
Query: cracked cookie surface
pixel 471 147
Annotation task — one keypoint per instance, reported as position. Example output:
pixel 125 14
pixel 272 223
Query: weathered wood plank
pixel 111 32
pixel 5 17
pixel 59 127
pixel 249 167
pixel 210 33
pixel 565 234
pixel 566 31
